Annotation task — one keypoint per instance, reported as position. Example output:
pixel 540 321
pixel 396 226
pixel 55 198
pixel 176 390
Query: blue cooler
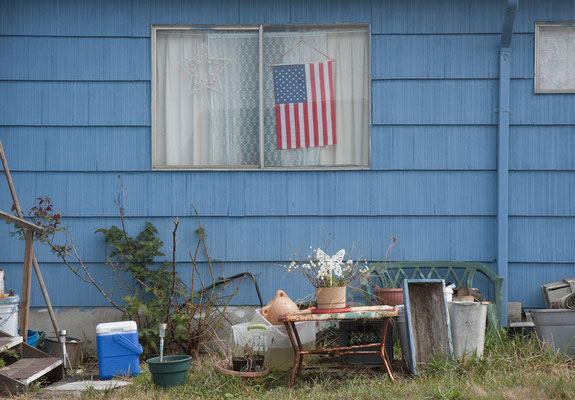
pixel 118 349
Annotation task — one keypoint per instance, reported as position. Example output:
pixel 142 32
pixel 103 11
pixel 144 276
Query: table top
pixel 367 312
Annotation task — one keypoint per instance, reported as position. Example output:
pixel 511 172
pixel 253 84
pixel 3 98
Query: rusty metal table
pixel 355 313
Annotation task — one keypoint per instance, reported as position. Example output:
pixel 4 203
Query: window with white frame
pixel 261 97
pixel 554 57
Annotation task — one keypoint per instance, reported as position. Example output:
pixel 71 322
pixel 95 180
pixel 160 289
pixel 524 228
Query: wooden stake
pixel 34 261
pixel 26 283
pixel 10 183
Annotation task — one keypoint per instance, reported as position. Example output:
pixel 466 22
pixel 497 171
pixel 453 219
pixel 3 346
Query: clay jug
pixel 280 304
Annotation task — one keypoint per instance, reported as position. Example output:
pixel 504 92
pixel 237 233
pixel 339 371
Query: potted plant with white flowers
pixel 330 276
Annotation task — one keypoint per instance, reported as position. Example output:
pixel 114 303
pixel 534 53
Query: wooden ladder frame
pixel 29 258
pixel 29 231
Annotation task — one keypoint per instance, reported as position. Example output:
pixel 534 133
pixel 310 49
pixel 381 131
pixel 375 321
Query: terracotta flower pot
pixel 389 297
pixel 330 297
pixel 280 304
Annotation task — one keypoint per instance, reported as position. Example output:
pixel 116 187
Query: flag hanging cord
pixel 293 47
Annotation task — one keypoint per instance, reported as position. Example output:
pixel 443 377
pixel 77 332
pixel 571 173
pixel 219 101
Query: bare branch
pixel 88 277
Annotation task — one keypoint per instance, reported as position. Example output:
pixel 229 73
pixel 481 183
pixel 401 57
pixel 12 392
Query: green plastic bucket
pixel 173 371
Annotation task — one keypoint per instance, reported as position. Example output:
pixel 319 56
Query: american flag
pixel 304 105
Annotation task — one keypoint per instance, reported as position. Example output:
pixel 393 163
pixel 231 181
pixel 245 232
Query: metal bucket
pixel 73 346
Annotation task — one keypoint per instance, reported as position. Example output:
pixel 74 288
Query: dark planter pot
pixel 389 297
pixel 173 371
pixel 248 364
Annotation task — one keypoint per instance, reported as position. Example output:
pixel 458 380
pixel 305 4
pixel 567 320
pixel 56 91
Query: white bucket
pixel 467 327
pixel 9 314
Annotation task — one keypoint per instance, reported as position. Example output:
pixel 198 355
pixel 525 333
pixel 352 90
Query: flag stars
pixel 290 84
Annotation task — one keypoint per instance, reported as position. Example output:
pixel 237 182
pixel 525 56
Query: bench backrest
pixel 461 273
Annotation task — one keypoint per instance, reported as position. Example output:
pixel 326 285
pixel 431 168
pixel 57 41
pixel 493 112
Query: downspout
pixel 503 153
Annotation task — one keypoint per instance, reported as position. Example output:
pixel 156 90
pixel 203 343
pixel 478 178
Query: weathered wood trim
pixel 20 222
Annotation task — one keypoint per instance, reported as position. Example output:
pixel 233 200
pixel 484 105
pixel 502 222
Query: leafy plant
pixel 149 288
pixel 156 294
pixel 152 291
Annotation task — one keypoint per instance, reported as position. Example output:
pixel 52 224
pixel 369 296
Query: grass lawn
pixel 512 368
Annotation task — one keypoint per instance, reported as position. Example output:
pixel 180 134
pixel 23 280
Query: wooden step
pixel 27 370
pixel 25 366
pixel 8 342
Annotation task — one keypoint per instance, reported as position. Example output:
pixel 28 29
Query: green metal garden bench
pixel 459 273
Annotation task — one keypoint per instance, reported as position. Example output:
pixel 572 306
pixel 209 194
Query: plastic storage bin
pixel 118 349
pixel 279 352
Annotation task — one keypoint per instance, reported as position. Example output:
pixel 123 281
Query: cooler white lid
pixel 116 327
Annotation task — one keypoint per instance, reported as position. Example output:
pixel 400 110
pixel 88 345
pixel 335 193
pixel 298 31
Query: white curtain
pixel 350 51
pixel 202 126
pixel 221 128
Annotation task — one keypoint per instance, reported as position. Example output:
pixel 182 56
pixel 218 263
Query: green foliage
pixel 150 287
pixel 154 293
pixel 137 255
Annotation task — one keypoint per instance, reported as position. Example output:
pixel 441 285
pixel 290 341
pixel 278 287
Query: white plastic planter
pixel 274 339
pixel 467 327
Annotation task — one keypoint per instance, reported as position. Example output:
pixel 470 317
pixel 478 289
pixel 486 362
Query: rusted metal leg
pixel 383 353
pixel 295 351
pixel 299 346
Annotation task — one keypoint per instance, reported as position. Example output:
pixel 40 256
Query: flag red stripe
pixel 314 104
pixel 278 126
pixel 288 127
pixel 323 101
pixel 306 124
pixel 297 127
pixel 331 100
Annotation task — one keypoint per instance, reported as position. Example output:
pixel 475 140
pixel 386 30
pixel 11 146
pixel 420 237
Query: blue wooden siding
pixel 75 113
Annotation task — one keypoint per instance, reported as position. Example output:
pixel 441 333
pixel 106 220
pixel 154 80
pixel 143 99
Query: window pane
pixel 555 57
pixel 207 98
pixel 299 113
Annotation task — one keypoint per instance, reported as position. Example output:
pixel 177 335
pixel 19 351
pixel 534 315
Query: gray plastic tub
pixel 557 328
pixel 403 334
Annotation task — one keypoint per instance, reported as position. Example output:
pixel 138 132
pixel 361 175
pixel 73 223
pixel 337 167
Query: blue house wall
pixel 75 115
